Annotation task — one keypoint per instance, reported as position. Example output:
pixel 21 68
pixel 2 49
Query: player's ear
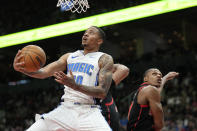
pixel 100 41
pixel 145 79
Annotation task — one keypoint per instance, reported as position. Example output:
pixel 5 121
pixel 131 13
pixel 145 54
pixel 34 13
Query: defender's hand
pixel 62 78
pixel 18 65
pixel 169 76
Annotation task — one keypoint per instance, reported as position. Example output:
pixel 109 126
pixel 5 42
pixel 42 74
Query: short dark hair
pixel 101 33
pixel 147 71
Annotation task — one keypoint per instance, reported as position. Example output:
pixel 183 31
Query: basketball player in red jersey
pixel 89 76
pixel 108 106
pixel 145 112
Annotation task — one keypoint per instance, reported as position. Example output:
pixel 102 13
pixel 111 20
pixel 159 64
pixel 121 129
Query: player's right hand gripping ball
pixel 34 58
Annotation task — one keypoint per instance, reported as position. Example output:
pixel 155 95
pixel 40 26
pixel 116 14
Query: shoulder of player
pixel 105 59
pixel 150 88
pixel 63 58
pixel 120 67
pixel 150 91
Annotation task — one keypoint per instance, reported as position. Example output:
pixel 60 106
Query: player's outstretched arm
pixel 166 78
pixel 47 71
pixel 154 100
pixel 105 78
pixel 120 72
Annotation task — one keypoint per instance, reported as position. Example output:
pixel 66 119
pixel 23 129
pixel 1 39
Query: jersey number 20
pixel 78 79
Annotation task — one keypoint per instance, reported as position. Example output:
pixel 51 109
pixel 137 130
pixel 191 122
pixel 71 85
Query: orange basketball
pixel 34 58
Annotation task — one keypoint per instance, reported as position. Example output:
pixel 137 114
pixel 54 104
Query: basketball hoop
pixel 73 5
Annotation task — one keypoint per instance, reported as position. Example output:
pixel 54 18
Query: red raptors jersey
pixel 138 116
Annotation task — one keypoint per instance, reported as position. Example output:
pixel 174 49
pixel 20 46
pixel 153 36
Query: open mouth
pixel 159 81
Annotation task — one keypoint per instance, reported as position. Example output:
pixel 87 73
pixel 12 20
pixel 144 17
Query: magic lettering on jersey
pixel 81 67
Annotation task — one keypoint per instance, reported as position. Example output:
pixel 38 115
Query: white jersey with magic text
pixel 85 69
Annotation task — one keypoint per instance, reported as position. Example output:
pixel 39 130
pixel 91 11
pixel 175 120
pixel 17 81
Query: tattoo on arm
pixel 105 78
pixel 33 73
pixel 105 74
pixel 48 70
pixel 36 74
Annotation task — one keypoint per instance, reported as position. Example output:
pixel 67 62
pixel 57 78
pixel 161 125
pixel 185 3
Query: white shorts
pixel 71 117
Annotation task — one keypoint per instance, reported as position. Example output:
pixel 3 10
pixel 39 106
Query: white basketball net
pixel 73 5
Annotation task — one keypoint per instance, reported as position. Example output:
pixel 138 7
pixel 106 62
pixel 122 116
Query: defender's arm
pixel 120 72
pixel 154 100
pixel 166 78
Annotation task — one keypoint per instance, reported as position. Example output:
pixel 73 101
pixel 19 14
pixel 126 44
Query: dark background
pixel 167 42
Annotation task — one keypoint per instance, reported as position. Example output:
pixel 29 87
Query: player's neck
pixel 89 51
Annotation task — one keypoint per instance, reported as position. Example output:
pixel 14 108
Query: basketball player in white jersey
pixel 89 76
